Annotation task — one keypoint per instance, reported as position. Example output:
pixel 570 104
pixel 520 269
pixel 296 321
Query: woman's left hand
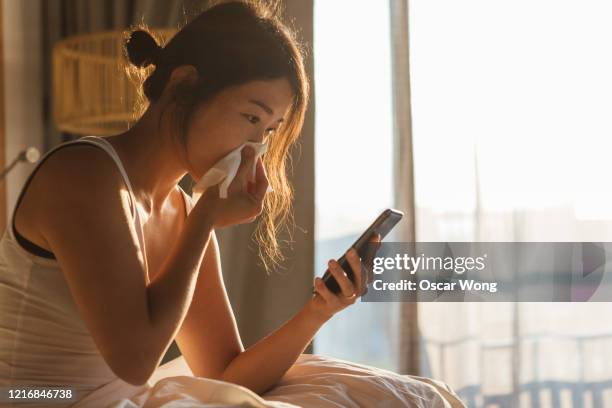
pixel 324 302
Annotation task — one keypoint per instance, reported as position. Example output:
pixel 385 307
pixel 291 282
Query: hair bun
pixel 142 49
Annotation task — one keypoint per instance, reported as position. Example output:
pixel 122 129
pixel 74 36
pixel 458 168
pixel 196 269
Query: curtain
pixel 22 89
pixel 354 163
pixel 511 125
pixel 403 172
pixel 260 302
pixel 3 162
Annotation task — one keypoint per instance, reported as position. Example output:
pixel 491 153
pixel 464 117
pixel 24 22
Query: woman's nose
pixel 259 139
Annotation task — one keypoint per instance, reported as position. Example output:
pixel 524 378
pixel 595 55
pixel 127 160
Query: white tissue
pixel 225 170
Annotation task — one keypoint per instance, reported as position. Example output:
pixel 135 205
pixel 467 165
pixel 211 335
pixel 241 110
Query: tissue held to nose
pixel 225 170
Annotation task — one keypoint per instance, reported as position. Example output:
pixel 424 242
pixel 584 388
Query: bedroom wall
pixel 21 22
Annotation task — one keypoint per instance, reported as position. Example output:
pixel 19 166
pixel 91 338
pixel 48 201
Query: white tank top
pixel 43 339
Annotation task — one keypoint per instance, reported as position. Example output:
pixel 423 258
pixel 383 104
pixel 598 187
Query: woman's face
pixel 250 112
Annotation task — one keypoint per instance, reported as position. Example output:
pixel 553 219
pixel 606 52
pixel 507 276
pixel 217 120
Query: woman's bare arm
pixel 211 344
pixel 209 338
pixel 85 217
pixel 262 365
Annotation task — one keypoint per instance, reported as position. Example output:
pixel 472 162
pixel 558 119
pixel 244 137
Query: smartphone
pixel 382 225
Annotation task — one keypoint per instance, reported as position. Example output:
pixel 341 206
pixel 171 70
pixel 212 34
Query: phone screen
pixel 382 225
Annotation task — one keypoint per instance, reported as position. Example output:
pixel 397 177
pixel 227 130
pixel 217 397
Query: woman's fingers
pixel 261 180
pixel 246 165
pixel 355 263
pixel 324 291
pixel 349 291
pixel 346 286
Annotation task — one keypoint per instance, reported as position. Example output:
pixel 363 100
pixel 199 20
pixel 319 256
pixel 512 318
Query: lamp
pixel 30 155
pixel 92 91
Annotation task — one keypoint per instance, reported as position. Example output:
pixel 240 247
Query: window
pixel 511 107
pixel 353 153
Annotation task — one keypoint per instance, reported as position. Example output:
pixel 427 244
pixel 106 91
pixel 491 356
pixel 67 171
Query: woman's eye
pixel 255 119
pixel 252 118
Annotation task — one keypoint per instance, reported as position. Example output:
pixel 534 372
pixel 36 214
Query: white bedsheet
pixel 313 381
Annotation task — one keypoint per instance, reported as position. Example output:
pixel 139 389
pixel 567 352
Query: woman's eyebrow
pixel 265 107
pixel 262 106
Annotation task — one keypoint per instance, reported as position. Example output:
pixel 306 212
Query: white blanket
pixel 313 381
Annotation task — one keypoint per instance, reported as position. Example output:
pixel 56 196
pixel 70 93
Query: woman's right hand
pixel 245 197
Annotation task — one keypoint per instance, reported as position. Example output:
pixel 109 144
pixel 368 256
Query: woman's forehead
pixel 275 94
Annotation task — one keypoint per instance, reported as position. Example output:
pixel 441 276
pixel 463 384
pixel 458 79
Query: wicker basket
pixel 93 93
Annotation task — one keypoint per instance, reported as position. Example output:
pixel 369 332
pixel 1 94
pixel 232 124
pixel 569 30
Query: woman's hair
pixel 231 43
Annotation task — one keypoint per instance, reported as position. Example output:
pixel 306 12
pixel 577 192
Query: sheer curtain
pixel 512 129
pixel 353 162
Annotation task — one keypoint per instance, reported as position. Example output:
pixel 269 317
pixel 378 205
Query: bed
pixel 313 381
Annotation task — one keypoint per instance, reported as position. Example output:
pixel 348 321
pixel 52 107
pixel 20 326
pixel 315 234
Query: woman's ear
pixel 181 73
pixel 186 74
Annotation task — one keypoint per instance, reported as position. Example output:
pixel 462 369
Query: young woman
pixel 106 259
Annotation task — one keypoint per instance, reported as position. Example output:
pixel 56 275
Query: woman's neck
pixel 151 160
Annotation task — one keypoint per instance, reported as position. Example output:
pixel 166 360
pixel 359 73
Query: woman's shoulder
pixel 79 174
pixel 81 165
pixel 65 185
